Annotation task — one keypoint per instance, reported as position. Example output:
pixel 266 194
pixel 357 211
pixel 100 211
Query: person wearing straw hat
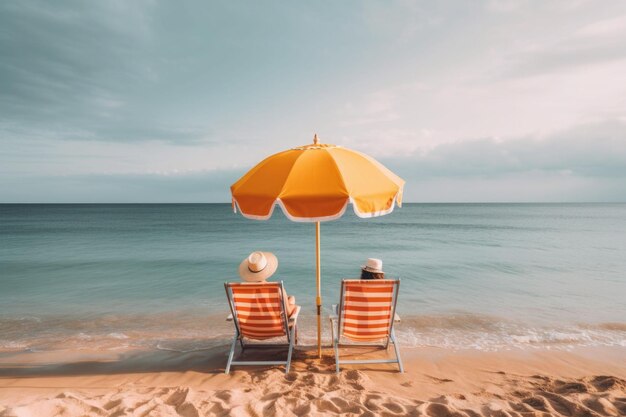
pixel 258 267
pixel 373 269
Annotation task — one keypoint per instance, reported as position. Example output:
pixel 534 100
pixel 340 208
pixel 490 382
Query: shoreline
pixel 437 382
pixel 186 331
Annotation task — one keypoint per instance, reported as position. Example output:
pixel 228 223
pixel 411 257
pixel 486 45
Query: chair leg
pixel 335 343
pixel 292 340
pixel 231 354
pixel 336 346
pixel 397 349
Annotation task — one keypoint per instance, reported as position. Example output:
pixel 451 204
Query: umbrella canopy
pixel 315 183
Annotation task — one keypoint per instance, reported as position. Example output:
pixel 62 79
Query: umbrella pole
pixel 318 299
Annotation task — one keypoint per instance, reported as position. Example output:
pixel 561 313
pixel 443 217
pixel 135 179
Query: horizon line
pixel 228 203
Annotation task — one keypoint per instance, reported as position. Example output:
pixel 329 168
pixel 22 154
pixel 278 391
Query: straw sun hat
pixel 258 266
pixel 373 265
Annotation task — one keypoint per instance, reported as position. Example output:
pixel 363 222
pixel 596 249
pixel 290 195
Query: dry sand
pixel 438 382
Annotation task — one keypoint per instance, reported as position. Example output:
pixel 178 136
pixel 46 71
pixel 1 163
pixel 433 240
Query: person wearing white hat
pixel 373 269
pixel 258 267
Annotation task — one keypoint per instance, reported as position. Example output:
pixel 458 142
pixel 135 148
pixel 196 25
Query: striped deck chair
pixel 259 312
pixel 365 316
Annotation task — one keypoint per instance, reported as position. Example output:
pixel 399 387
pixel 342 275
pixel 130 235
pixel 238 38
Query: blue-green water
pixel 487 276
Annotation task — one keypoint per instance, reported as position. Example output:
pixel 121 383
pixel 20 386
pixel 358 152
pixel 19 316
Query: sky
pixel 159 101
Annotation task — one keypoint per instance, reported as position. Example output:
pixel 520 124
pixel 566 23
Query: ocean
pixel 150 276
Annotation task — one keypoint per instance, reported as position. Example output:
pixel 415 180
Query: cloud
pixel 85 72
pixel 597 150
pixel 167 187
pixel 375 107
pixel 594 43
pixel 587 163
pixel 68 65
pixel 130 132
pixel 523 187
pixel 448 91
pixel 459 107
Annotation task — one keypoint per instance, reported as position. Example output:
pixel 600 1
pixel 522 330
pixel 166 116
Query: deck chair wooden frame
pixel 259 312
pixel 358 300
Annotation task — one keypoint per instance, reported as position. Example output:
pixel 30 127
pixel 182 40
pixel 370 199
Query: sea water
pixel 478 276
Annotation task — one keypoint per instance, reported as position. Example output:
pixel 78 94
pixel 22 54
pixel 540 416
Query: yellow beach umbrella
pixel 315 183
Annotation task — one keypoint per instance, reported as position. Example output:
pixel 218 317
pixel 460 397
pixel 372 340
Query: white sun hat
pixel 373 265
pixel 258 266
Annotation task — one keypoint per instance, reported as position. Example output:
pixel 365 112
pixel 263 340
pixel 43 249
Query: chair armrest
pixel 335 314
pixel 294 317
pixel 229 317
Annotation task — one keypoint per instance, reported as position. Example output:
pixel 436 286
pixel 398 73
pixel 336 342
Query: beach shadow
pixel 210 361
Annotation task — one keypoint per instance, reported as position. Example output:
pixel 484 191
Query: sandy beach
pixel 180 177
pixel 438 383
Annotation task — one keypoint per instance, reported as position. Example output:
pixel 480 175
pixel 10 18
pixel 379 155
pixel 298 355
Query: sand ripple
pixel 315 390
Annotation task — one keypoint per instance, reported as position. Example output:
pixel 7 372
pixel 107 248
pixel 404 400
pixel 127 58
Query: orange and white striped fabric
pixel 367 309
pixel 259 309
